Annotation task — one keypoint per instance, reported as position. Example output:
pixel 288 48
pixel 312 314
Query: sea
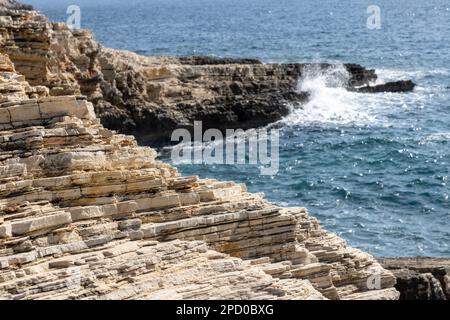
pixel 372 168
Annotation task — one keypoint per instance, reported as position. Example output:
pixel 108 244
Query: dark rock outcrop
pixel 359 75
pixel 149 97
pixel 397 86
pixel 420 278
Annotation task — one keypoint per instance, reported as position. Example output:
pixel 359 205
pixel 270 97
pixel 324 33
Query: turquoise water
pixel 372 168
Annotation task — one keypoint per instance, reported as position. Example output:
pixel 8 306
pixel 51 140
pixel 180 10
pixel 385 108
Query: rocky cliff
pixel 420 278
pixel 149 97
pixel 86 213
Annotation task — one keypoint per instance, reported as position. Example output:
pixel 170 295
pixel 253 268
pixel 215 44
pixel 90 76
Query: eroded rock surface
pixel 86 213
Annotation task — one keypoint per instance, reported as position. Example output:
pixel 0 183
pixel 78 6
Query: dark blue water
pixel 372 168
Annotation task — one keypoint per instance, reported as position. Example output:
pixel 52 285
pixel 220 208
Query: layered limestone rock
pixel 86 213
pixel 149 97
pixel 13 5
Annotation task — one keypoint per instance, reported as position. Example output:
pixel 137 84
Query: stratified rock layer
pixel 86 213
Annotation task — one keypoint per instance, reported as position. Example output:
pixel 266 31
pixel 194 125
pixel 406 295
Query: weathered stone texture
pixel 86 213
pixel 151 96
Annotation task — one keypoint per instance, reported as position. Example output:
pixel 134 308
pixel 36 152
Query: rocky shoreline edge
pixel 150 97
pixel 420 278
pixel 86 213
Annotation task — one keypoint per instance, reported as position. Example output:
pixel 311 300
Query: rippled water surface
pixel 372 168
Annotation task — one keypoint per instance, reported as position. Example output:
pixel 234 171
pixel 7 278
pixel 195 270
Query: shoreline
pixel 174 91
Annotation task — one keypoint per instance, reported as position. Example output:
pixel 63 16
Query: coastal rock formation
pixel 149 97
pixel 397 86
pixel 420 278
pixel 86 213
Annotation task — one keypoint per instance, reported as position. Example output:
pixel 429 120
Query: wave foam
pixel 329 101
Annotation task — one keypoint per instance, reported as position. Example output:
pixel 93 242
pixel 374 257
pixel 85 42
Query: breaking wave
pixel 329 101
